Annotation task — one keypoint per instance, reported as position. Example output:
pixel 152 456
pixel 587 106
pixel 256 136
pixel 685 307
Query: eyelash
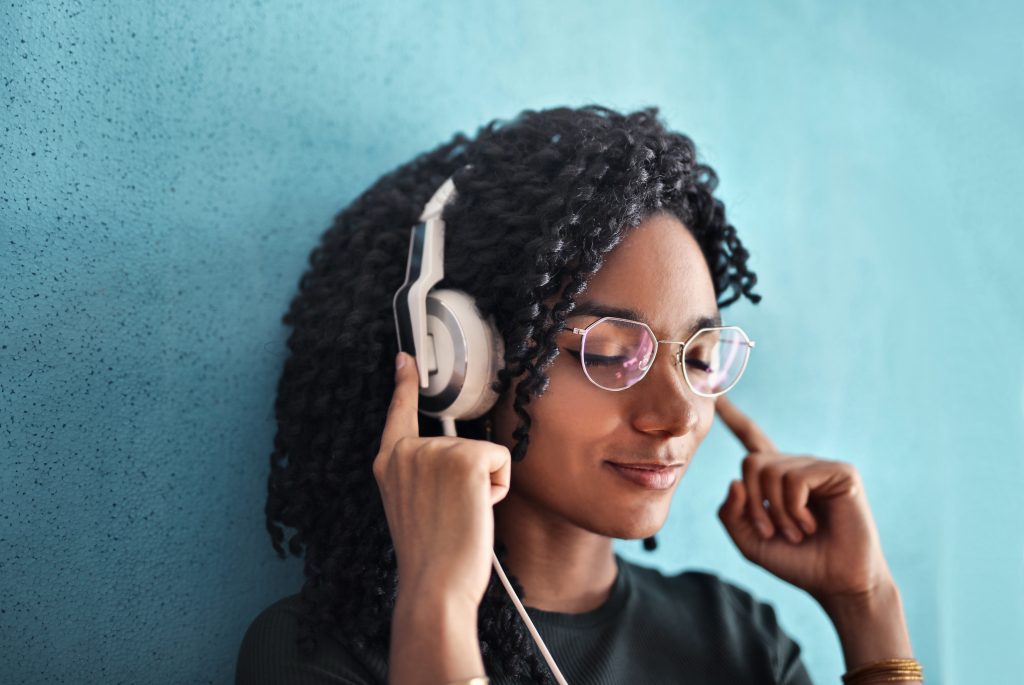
pixel 609 361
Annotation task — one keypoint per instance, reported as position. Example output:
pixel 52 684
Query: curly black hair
pixel 541 200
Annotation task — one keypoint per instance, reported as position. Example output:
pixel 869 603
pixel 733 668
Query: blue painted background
pixel 166 168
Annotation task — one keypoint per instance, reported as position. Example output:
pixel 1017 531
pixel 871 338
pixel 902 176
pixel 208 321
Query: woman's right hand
pixel 438 495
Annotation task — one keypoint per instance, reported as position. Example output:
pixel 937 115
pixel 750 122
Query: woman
pixel 566 223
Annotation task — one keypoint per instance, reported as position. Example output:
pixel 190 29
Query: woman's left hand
pixel 807 520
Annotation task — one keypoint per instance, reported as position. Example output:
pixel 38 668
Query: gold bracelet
pixel 885 671
pixel 479 680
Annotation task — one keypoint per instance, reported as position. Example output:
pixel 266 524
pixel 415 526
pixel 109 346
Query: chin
pixel 638 526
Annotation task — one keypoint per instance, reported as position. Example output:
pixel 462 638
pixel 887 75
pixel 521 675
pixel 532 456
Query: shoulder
pixel 274 626
pixel 280 611
pixel 270 652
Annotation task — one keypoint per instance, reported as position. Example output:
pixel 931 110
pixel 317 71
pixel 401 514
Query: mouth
pixel 652 476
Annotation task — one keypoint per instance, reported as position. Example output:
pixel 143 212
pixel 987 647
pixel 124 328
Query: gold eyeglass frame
pixel 679 357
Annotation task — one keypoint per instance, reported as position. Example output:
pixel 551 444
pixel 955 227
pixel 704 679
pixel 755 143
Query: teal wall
pixel 167 167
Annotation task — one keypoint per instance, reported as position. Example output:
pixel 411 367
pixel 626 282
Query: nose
pixel 664 402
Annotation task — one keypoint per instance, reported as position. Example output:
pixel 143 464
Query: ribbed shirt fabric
pixel 691 628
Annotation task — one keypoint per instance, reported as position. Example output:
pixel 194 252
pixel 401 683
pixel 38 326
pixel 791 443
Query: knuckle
pixel 492 447
pixel 406 453
pixel 455 457
pixel 475 460
pixel 847 468
pixel 402 447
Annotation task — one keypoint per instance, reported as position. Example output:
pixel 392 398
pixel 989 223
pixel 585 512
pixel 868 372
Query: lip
pixel 652 476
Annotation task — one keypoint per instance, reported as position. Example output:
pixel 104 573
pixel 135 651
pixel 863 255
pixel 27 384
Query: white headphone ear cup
pixel 468 353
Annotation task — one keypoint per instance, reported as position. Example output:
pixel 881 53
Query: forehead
pixel 659 271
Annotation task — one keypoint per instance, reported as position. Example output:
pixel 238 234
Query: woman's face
pixel 580 431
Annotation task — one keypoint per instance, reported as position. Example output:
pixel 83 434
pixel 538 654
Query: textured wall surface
pixel 165 169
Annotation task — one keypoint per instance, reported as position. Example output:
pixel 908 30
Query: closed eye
pixel 699 365
pixel 600 360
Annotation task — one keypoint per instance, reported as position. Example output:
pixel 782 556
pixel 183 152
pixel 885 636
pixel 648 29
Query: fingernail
pixel 399 361
pixel 764 529
pixel 791 533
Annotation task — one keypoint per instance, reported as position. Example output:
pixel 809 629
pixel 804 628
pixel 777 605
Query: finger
pixel 772 486
pixel 743 427
pixel 501 473
pixel 827 479
pixel 739 526
pixel 797 492
pixel 817 479
pixel 755 502
pixel 402 420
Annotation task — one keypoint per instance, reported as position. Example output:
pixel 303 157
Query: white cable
pixel 448 426
pixel 526 619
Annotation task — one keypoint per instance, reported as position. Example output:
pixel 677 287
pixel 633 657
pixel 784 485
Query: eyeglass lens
pixel 617 353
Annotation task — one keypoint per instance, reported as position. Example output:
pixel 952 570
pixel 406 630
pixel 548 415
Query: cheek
pixel 705 408
pixel 572 404
pixel 569 425
pixel 570 409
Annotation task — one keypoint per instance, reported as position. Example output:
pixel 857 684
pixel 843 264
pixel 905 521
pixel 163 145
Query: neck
pixel 561 567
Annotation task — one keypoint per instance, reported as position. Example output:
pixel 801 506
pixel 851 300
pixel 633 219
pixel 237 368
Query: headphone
pixel 458 352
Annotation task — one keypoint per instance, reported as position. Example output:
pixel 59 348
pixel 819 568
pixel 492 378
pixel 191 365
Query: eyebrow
pixel 594 308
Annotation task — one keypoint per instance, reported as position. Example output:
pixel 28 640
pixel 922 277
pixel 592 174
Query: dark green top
pixel 653 629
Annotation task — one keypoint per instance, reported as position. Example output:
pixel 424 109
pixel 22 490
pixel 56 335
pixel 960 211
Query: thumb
pixel 403 416
pixel 740 527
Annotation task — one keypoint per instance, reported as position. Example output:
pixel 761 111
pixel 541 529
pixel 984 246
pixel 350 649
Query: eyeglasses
pixel 617 353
